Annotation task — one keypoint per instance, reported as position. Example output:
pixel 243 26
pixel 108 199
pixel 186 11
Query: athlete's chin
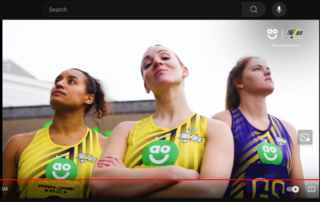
pixel 163 81
pixel 269 91
pixel 57 103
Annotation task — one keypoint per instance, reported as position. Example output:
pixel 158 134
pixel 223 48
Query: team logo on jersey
pixel 281 141
pixel 269 153
pixel 191 136
pixel 192 130
pixel 61 169
pixel 161 138
pixel 86 157
pixel 160 153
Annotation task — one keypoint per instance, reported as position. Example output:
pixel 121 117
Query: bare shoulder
pixel 127 125
pixel 224 116
pixel 123 129
pixel 217 128
pixel 17 143
pixel 290 128
pixel 22 139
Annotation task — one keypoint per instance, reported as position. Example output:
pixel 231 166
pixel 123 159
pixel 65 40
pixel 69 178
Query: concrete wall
pixel 23 91
pixel 17 120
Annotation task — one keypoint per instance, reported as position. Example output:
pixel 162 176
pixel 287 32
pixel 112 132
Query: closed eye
pixel 147 66
pixel 165 58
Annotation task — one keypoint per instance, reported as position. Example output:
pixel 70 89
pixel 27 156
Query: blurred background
pixel 35 52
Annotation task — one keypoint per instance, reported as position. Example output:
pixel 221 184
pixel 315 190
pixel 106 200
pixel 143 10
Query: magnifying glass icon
pixel 253 9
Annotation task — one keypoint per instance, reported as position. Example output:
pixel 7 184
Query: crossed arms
pixel 216 163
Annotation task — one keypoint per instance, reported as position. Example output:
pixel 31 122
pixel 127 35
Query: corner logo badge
pixel 160 153
pixel 295 33
pixel 272 33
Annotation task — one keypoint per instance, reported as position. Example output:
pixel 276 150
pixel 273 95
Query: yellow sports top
pixel 152 146
pixel 43 159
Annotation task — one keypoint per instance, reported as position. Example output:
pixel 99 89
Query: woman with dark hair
pixel 67 149
pixel 173 143
pixel 265 146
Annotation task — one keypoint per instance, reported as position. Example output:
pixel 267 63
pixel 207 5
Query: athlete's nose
pixel 267 72
pixel 157 63
pixel 59 84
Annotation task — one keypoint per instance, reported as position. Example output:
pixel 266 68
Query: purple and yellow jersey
pixel 259 155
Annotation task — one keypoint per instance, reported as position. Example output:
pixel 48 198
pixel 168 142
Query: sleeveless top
pixel 259 155
pixel 43 159
pixel 152 146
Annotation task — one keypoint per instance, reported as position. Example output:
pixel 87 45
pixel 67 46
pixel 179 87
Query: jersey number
pixel 266 187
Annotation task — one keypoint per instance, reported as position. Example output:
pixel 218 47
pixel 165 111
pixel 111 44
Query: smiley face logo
pixel 269 153
pixel 272 32
pixel 61 169
pixel 160 153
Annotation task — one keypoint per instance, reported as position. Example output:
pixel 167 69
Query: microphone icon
pixel 279 9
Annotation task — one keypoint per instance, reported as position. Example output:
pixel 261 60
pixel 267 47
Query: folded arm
pixel 216 163
pixel 116 146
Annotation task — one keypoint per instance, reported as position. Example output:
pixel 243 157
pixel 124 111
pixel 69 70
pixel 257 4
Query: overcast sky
pixel 111 50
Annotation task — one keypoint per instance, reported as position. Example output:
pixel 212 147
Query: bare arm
pixel 116 146
pixel 296 168
pixel 223 116
pixel 9 170
pixel 10 159
pixel 216 163
pixel 102 141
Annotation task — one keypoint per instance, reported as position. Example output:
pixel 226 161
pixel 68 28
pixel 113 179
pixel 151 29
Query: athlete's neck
pixel 68 123
pixel 253 106
pixel 172 107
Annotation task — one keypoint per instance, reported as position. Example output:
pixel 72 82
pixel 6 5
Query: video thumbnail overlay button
pixel 305 137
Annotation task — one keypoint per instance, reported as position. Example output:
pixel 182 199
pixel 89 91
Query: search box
pixel 253 9
pixel 147 10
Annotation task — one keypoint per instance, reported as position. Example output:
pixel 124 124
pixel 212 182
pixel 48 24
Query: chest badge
pixel 160 153
pixel 61 168
pixel 269 153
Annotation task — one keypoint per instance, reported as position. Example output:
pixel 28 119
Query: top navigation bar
pixel 154 9
pixel 104 9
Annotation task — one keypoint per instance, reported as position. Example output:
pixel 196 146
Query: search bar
pixel 147 10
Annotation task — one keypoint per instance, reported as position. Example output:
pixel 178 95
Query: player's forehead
pixel 256 62
pixel 152 50
pixel 72 73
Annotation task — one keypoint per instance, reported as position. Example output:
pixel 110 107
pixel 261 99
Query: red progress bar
pixel 160 179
